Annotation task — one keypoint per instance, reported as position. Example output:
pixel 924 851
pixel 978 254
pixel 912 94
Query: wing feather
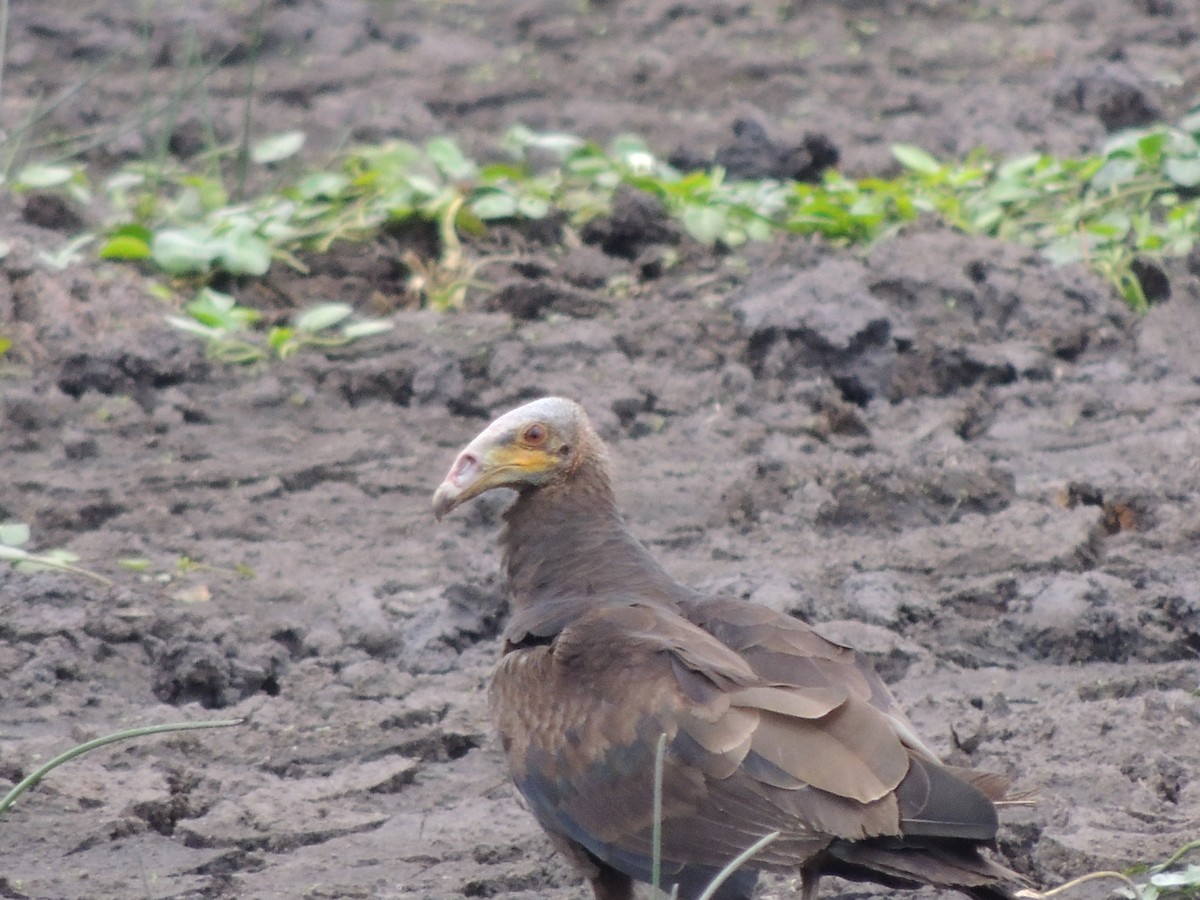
pixel 581 718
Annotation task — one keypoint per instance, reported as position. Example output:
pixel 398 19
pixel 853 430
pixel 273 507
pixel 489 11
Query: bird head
pixel 527 448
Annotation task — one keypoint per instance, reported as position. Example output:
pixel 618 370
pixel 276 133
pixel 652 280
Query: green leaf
pixel 1191 122
pixel 705 223
pixel 219 310
pixel 1064 250
pixel 194 328
pixel 520 139
pixel 1011 190
pixel 277 147
pixel 125 246
pixel 1117 171
pixel 1183 172
pixel 1019 165
pixel 321 185
pixel 209 193
pixel 37 176
pixel 132 229
pixel 497 172
pixel 322 316
pixel 533 207
pixel 423 186
pixel 365 328
pixel 987 219
pixel 494 205
pixel 13 534
pixel 1189 877
pixel 242 253
pixel 278 336
pixel 181 251
pixel 450 160
pixel 632 151
pixel 1150 146
pixel 1111 227
pixel 1122 143
pixel 916 159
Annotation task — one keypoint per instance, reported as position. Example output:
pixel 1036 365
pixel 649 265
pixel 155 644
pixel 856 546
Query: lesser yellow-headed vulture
pixel 769 726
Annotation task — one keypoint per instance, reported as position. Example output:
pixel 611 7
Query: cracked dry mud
pixel 979 469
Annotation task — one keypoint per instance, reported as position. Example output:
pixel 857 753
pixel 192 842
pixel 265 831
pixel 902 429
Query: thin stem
pixel 656 839
pixel 3 43
pixel 19 557
pixel 736 863
pixel 32 779
pixel 243 154
pixel 1075 882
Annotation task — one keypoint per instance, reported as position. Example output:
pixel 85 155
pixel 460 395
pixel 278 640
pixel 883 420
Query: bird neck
pixel 567 540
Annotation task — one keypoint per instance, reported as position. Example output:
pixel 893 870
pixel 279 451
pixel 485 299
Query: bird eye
pixel 535 434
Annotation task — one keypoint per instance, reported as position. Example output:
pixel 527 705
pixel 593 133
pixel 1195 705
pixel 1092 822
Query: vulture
pixel 768 726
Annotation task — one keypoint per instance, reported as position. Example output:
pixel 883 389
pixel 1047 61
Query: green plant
pixel 1165 881
pixel 1139 198
pixel 15 534
pixel 1169 880
pixel 185 565
pixel 323 325
pixel 38 774
pixel 1136 200
pixel 228 329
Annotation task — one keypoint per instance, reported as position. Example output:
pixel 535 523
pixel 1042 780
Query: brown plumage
pixel 769 726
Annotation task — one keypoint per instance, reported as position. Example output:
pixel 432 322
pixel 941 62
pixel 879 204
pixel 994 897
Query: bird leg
pixel 609 884
pixel 810 877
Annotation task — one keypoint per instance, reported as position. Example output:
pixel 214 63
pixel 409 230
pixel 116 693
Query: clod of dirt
pixel 472 612
pixel 195 668
pixel 763 490
pixel 163 358
pixel 534 299
pixel 797 324
pixel 51 211
pixel 1156 286
pixel 1089 617
pixel 1112 95
pixel 365 381
pixel 638 220
pixel 900 499
pixel 753 154
pixel 1121 511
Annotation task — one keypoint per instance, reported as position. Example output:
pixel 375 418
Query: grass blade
pixel 736 863
pixel 656 853
pixel 38 774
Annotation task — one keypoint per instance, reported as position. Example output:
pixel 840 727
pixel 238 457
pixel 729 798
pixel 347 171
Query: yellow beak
pixel 485 464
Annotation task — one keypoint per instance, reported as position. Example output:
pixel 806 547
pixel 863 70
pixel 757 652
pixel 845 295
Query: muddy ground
pixel 978 468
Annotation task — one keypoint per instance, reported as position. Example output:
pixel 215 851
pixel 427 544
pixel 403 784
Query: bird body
pixel 768 726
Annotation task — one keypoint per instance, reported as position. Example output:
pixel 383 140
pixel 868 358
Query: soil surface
pixel 979 469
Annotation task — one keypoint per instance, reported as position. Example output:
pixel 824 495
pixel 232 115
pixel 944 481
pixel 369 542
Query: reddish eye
pixel 535 434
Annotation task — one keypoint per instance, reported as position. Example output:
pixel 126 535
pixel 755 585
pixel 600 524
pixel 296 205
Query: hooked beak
pixel 488 462
pixel 463 481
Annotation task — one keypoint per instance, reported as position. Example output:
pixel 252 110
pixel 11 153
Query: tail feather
pixel 958 865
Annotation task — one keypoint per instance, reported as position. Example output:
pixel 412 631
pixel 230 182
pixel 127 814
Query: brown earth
pixel 979 469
